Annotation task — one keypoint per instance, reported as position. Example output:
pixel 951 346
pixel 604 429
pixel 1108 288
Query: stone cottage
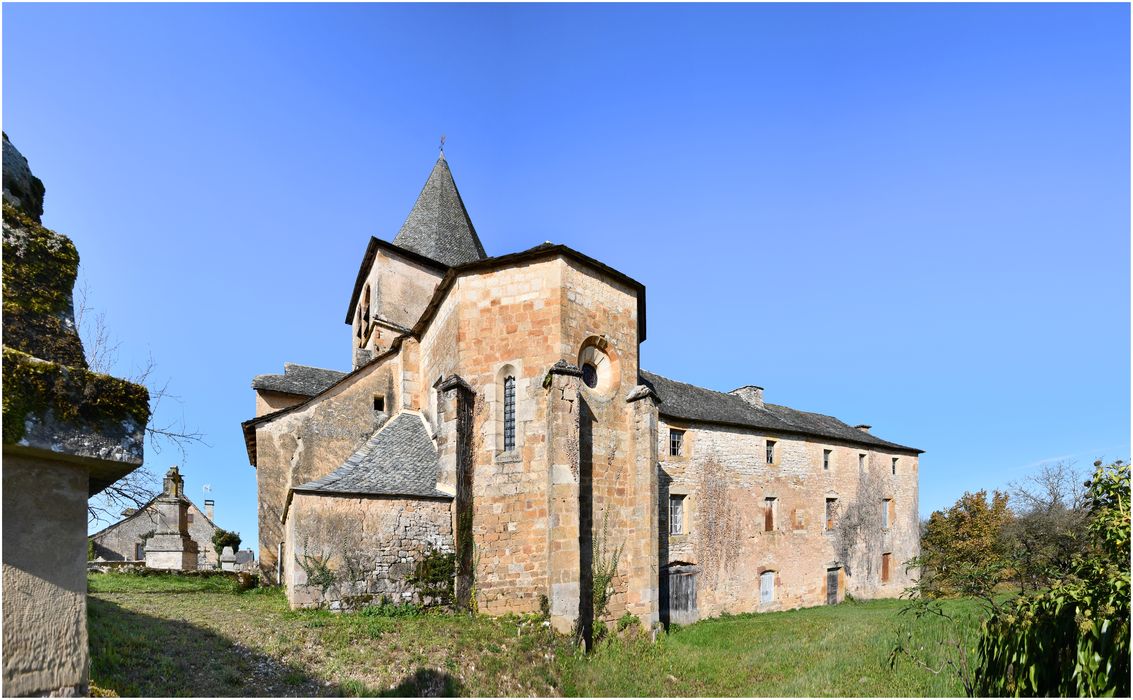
pixel 68 434
pixel 496 409
pixel 126 539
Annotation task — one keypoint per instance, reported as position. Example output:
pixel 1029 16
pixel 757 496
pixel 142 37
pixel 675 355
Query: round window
pixel 599 366
pixel 590 375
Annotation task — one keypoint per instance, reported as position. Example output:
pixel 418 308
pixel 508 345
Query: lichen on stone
pixel 33 387
pixel 39 271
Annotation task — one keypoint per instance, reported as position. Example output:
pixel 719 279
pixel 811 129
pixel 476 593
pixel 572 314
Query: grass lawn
pixel 166 635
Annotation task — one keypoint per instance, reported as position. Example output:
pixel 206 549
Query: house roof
pixel 298 379
pixel 689 402
pixel 438 226
pixel 144 508
pixel 399 459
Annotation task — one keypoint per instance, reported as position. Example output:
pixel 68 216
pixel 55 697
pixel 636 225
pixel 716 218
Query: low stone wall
pixel 349 551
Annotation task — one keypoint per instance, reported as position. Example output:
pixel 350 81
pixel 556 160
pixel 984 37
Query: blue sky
pixel 914 216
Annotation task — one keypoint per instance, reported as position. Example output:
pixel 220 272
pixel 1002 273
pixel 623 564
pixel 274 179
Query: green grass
pixel 160 636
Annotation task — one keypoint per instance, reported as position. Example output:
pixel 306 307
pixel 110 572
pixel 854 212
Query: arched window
pixel 366 304
pixel 509 414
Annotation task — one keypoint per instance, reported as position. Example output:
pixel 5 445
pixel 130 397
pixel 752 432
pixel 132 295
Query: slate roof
pixel 690 402
pixel 298 379
pixel 438 227
pixel 398 460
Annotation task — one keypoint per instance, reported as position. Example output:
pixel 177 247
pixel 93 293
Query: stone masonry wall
pixel 315 440
pixel 380 538
pixel 399 291
pixel 726 480
pixel 117 542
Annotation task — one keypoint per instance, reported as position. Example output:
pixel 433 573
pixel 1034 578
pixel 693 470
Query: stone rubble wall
pixel 385 537
pixel 726 479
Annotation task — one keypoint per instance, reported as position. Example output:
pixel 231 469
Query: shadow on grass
pixel 426 683
pixel 138 655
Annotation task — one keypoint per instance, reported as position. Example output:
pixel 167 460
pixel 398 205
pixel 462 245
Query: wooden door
pixel 832 586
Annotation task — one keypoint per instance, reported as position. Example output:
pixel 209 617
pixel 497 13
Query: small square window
pixel 676 442
pixel 770 451
pixel 894 466
pixel 826 460
pixel 379 403
pixel 676 515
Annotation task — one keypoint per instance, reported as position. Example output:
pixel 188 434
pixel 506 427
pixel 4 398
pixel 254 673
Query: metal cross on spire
pixel 442 144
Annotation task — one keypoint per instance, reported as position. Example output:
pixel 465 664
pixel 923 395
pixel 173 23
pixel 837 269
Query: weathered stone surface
pixel 21 189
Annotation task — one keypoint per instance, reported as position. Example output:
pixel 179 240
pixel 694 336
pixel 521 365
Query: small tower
pixel 171 547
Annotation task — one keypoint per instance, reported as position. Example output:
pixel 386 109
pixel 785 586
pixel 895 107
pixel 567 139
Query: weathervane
pixel 442 144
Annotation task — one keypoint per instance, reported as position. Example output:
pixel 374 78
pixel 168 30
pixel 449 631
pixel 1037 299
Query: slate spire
pixel 438 227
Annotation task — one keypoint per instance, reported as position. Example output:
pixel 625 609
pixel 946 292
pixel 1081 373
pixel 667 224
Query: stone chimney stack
pixel 209 505
pixel 863 427
pixel 751 394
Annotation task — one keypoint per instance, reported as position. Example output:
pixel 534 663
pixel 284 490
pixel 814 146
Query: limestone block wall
pixel 399 290
pixel 600 328
pixel 314 440
pixel 44 577
pixel 493 325
pixel 373 543
pixel 271 401
pixel 726 481
pixel 118 542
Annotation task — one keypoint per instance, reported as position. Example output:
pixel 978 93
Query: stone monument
pixel 171 547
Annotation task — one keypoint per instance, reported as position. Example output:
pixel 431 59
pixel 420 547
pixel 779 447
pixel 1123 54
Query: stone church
pixel 496 410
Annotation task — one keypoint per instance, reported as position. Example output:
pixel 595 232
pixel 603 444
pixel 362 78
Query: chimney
pixel 751 394
pixel 863 427
pixel 208 508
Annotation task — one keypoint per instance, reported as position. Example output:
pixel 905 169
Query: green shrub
pixel 1072 639
pixel 225 538
pixel 433 578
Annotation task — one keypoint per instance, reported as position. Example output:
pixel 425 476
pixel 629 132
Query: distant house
pixel 125 540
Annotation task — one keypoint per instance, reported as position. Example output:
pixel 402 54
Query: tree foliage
pixel 225 538
pixel 1073 638
pixel 964 550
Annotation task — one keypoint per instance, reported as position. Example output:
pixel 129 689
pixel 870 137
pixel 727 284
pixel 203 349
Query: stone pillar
pixel 643 572
pixel 454 448
pixel 563 551
pixel 228 560
pixel 171 547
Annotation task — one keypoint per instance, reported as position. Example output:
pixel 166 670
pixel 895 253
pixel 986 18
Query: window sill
pixel 508 457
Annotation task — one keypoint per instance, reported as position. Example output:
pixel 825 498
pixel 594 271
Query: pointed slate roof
pixel 398 460
pixel 438 227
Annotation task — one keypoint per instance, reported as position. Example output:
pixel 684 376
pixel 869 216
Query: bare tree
pixel 101 348
pixel 1049 525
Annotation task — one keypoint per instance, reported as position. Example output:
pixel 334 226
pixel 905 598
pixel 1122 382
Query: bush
pixel 1072 639
pixel 225 538
pixel 433 578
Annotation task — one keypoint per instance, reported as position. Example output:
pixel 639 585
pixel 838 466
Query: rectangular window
pixel 894 466
pixel 887 513
pixel 190 517
pixel 861 462
pixel 831 511
pixel 770 513
pixel 770 451
pixel 509 414
pixel 676 515
pixel 140 551
pixel 826 460
pixel 676 442
pixel 797 519
pixel 379 403
pixel 885 562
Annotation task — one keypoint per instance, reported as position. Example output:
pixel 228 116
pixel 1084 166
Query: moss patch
pixel 39 271
pixel 32 387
